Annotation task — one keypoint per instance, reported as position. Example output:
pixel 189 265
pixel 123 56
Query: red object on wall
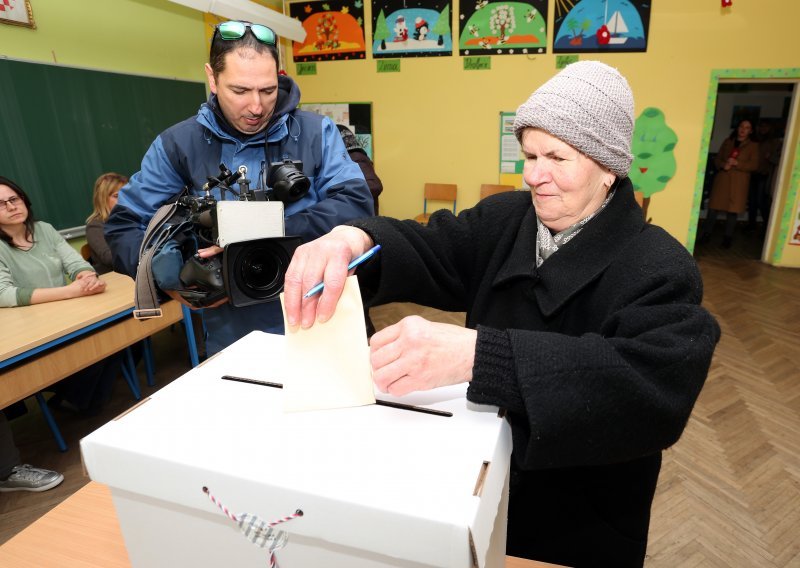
pixel 603 35
pixel 727 3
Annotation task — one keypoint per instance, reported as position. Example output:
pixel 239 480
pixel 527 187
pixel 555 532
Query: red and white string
pixel 273 561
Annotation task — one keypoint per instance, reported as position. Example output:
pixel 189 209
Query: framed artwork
pixel 17 13
pixel 411 28
pixel 601 26
pixel 334 30
pixel 502 28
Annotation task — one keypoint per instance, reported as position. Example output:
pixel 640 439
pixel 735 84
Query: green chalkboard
pixel 61 127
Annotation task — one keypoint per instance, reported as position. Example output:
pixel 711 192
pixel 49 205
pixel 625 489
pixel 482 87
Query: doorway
pixel 765 98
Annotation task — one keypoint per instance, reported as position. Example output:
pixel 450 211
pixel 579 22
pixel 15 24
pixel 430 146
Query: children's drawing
pixel 653 149
pixel 334 30
pixel 502 28
pixel 411 28
pixel 601 25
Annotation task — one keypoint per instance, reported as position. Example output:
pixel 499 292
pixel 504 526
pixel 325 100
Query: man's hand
pixel 175 295
pixel 416 354
pixel 322 260
pixel 209 251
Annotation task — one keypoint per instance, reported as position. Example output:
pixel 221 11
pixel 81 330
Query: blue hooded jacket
pixel 186 154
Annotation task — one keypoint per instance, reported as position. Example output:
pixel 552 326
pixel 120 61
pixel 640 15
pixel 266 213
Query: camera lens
pixel 261 269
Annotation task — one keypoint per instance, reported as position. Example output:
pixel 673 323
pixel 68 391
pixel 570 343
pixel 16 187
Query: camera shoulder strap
pixel 159 231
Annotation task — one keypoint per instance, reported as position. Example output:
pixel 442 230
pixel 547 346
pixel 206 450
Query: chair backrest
pixel 488 189
pixel 440 192
pixel 86 252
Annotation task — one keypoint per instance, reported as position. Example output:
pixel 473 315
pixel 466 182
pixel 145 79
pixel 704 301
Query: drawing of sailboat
pixel 616 25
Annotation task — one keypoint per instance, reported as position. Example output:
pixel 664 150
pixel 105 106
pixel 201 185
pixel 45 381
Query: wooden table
pixel 44 343
pixel 83 532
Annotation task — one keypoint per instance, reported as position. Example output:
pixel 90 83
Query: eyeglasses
pixel 236 30
pixel 4 203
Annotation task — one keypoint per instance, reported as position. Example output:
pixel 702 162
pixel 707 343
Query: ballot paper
pixel 327 366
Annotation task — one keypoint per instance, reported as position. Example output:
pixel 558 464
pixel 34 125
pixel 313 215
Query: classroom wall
pixel 435 122
pixel 144 37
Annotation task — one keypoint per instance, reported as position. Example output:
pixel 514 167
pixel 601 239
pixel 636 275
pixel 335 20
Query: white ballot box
pixel 377 485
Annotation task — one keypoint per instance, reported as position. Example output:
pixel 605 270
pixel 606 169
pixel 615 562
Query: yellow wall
pixel 435 122
pixel 145 37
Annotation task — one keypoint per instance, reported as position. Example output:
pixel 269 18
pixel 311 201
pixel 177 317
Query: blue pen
pixel 366 256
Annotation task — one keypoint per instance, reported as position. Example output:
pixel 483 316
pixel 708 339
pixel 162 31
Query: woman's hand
pixel 84 286
pixel 322 260
pixel 417 354
pixel 89 283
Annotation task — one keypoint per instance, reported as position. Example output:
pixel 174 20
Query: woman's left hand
pixel 416 354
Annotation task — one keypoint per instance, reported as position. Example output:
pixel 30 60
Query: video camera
pixel 257 252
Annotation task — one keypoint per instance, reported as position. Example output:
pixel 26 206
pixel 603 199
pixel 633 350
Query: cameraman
pixel 250 119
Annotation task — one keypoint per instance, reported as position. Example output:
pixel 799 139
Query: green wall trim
pixel 792 73
pixel 787 217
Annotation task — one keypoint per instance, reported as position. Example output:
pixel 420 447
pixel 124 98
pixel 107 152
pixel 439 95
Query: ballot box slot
pixel 390 404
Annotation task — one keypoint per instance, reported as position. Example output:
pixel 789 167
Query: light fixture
pixel 284 26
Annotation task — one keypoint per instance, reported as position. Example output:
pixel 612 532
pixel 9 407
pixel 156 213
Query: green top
pixel 43 266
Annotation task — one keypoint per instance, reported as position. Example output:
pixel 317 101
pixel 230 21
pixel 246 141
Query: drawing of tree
pixel 573 27
pixel 382 30
pixel 327 33
pixel 502 21
pixel 653 148
pixel 442 26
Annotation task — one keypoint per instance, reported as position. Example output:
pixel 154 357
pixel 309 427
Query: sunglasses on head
pixel 236 30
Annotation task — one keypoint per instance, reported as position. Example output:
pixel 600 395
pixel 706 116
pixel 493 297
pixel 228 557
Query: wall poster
pixel 502 28
pixel 355 116
pixel 512 160
pixel 411 28
pixel 334 30
pixel 601 26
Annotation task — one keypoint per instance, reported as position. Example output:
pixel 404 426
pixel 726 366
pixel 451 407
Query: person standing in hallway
pixel 737 158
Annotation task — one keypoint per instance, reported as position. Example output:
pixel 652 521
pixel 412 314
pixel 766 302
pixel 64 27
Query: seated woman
pixel 106 190
pixel 34 263
pixel 583 322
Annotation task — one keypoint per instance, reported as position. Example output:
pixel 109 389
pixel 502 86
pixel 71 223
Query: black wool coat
pixel 597 356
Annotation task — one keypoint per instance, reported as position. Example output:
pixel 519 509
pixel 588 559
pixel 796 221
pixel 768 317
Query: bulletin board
pixel 511 158
pixel 355 116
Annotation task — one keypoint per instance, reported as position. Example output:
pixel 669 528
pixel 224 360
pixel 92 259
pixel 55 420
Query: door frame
pixel 775 241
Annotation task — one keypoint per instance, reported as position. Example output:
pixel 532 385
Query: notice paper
pixel 328 364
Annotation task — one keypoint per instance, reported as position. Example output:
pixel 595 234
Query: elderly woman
pixel 583 322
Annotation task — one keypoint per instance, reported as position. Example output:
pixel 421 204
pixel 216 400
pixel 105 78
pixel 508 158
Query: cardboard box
pixel 378 486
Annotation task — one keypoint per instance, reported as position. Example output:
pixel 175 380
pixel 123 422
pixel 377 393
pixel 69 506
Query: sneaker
pixel 28 478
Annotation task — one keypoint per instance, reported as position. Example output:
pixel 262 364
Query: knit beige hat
pixel 588 105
